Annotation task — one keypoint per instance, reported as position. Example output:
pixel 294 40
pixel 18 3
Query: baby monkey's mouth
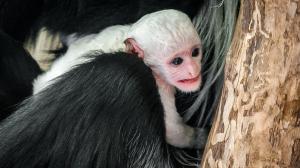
pixel 192 80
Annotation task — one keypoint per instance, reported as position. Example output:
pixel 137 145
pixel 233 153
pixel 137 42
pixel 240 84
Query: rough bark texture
pixel 258 120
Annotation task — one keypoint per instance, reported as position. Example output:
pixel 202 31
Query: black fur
pixel 18 16
pixel 91 16
pixel 105 113
pixel 17 71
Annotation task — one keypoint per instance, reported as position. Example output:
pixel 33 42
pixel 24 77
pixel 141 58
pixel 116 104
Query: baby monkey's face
pixel 182 69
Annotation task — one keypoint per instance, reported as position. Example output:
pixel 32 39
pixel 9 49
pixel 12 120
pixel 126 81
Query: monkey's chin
pixel 190 85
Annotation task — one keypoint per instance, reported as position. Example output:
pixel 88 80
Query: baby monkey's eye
pixel 177 61
pixel 195 52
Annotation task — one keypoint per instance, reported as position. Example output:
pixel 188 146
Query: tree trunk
pixel 257 123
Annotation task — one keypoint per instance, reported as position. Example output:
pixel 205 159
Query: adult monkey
pixel 94 122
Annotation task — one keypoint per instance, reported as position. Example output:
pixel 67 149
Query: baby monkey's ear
pixel 133 47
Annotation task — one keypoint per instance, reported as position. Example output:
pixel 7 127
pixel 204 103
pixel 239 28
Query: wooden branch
pixel 258 120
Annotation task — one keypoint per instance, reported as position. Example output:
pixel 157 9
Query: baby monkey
pixel 168 43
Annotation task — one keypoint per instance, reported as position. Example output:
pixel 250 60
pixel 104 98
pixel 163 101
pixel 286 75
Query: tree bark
pixel 257 123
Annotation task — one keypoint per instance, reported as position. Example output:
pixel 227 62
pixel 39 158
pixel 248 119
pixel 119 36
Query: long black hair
pixel 104 113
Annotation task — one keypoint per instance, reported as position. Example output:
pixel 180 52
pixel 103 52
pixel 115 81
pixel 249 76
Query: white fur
pixel 109 40
pixel 177 132
pixel 156 36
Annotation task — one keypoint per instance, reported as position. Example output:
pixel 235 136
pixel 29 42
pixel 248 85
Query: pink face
pixel 182 69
